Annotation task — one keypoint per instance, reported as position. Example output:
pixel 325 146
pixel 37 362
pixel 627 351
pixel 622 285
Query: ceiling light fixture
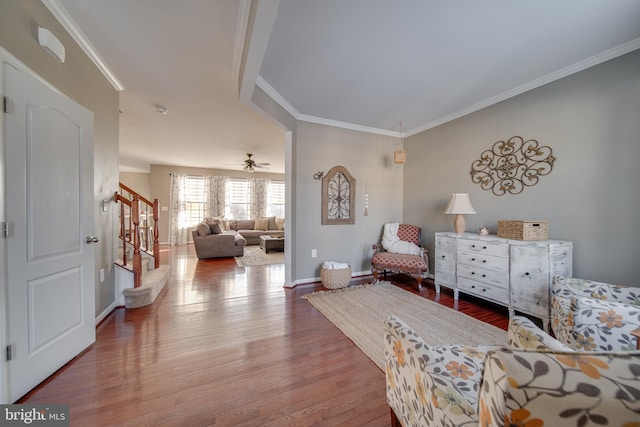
pixel 162 109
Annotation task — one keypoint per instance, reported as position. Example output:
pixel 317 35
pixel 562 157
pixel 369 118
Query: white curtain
pixel 177 228
pixel 258 188
pixel 215 190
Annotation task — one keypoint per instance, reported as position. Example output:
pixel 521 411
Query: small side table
pixel 268 243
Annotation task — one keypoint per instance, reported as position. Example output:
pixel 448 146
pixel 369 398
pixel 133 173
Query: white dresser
pixel 513 273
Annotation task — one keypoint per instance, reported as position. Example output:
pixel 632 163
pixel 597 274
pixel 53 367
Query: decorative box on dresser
pixel 513 273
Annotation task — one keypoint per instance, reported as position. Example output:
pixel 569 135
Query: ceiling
pixel 371 65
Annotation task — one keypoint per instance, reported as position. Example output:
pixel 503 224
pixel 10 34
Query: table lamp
pixel 459 205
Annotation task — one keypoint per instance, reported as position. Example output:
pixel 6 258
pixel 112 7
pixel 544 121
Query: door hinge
pixel 10 351
pixel 6 230
pixel 5 104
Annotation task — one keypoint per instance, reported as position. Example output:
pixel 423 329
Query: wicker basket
pixel 335 278
pixel 523 230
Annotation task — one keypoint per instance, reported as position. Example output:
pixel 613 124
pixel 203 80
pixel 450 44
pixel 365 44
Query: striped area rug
pixel 359 312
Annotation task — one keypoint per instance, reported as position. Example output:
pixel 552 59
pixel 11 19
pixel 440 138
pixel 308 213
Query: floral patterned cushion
pixel 594 316
pixel 524 334
pixel 529 388
pixel 431 385
pixel 604 326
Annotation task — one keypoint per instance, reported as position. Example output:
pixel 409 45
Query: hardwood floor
pixel 226 345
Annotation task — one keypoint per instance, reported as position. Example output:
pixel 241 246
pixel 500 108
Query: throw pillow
pixel 203 229
pixel 272 223
pixel 215 227
pixel 261 224
pixel 280 224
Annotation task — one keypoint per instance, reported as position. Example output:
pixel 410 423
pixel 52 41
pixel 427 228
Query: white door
pixel 49 209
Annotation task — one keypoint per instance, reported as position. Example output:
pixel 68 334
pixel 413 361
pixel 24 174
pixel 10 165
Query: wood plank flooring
pixel 226 345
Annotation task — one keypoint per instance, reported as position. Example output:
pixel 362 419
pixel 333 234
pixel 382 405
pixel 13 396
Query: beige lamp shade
pixel 459 205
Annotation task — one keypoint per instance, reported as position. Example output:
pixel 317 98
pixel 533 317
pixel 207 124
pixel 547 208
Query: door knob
pixel 93 239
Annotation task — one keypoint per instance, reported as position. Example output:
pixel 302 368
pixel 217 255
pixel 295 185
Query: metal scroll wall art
pixel 509 167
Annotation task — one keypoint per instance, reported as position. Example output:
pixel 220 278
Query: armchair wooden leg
pixel 395 422
pixel 419 279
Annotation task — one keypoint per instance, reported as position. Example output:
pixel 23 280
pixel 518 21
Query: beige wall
pixel 368 158
pixel 591 120
pixel 138 181
pixel 80 80
pixel 160 184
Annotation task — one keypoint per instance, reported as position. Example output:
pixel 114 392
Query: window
pixel 194 201
pixel 276 199
pixel 237 203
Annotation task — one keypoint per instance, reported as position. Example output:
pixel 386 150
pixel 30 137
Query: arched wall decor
pixel 509 167
pixel 338 197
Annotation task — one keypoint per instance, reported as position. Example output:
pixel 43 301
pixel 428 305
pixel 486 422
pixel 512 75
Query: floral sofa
pixel 595 316
pixel 538 381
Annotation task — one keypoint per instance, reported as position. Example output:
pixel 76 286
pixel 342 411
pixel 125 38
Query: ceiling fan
pixel 250 165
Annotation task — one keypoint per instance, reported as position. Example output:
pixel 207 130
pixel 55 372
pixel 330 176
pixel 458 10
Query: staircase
pixel 140 277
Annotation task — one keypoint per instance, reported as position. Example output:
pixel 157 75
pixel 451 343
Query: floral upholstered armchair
pixel 595 316
pixel 400 252
pixel 538 382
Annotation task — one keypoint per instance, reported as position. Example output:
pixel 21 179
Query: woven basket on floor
pixel 335 278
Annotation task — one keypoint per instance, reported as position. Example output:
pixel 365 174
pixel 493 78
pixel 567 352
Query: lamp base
pixel 459 224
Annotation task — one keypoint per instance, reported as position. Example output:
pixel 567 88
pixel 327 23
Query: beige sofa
pixel 219 238
pixel 252 229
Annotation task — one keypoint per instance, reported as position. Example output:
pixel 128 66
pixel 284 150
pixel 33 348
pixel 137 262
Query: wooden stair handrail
pixel 132 203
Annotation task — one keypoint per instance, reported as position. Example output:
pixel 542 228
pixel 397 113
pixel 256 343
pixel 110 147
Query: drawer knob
pixel 484 289
pixel 473 272
pixel 473 286
pixel 526 274
pixel 484 260
pixel 473 259
pixel 484 275
pixel 473 246
pixel 484 247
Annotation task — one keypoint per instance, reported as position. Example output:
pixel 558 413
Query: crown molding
pixel 72 28
pixel 241 33
pixel 592 61
pixel 269 90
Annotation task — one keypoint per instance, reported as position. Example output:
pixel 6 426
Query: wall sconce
pixel 51 44
pixel 318 176
pixel 459 205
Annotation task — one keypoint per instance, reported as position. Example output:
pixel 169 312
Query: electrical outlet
pixel 314 253
pixel 101 275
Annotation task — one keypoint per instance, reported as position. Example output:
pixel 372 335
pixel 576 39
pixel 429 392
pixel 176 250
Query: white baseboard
pixel 107 311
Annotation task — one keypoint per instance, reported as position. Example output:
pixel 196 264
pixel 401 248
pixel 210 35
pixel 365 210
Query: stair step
pixel 153 281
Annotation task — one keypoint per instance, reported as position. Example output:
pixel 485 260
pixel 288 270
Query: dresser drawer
pixel 488 248
pixel 483 290
pixel 483 260
pixel 491 277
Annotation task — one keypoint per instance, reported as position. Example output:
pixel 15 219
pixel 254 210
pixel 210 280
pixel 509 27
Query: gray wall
pixel 79 79
pixel 368 158
pixel 591 120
